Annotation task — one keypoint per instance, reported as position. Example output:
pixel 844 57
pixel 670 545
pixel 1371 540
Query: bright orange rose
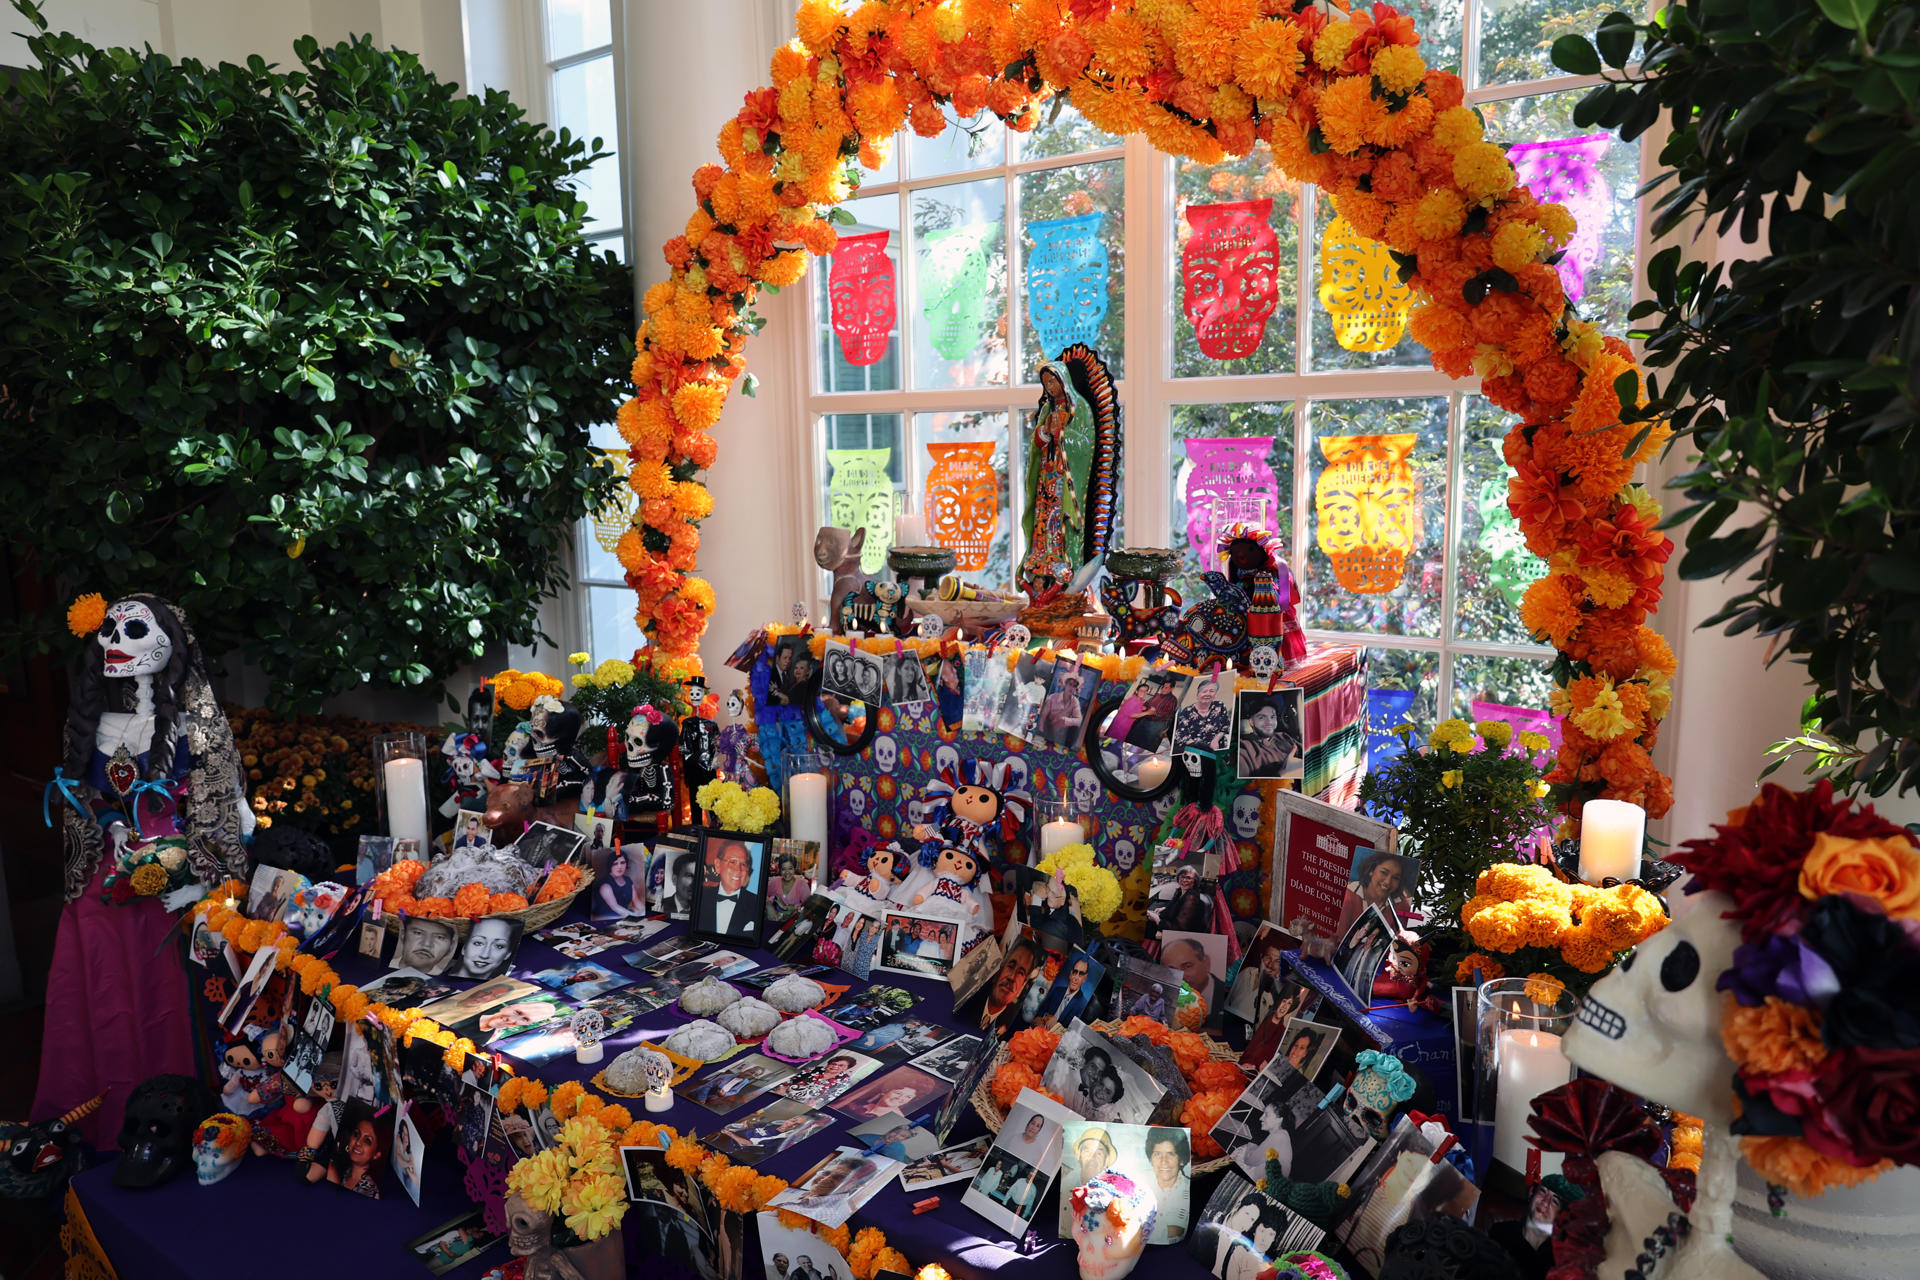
pixel 1886 869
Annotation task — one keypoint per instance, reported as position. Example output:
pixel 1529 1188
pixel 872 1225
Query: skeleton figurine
pixel 530 1236
pixel 649 741
pixel 560 772
pixel 1652 1025
pixel 516 754
pixel 468 772
pixel 732 753
pixel 699 738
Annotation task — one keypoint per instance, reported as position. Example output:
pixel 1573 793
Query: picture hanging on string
pixel 1267 736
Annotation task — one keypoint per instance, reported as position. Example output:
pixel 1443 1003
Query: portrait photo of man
pixel 731 900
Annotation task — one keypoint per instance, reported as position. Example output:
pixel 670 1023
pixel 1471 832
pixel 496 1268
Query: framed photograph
pixel 1313 857
pixel 1305 1045
pixel 452 1243
pixel 543 843
pixel 673 875
pixel 831 1191
pixel 1243 1231
pixel 1145 717
pixel 1070 694
pixel 1205 719
pixel 795 866
pixel 906 1090
pixel 730 903
pixel 470 831
pixel 1156 1157
pixel 948 1164
pixel 1020 1165
pixel 617 892
pixel 770 1130
pixel 1267 740
pixel 894 1136
pixel 790 1254
pixel 488 951
pixel 1362 950
pixel 1281 1112
pixel 1100 1082
pixel 851 674
pixel 1201 959
pixel 596 827
pixel 734 1084
pixel 919 945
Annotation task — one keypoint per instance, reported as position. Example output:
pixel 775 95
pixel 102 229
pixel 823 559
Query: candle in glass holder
pixel 406 785
pixel 1060 833
pixel 1530 1064
pixel 1152 772
pixel 807 807
pixel 910 530
pixel 1611 834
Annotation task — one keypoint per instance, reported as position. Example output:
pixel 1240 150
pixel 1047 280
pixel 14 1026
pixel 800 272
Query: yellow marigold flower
pixel 1461 746
pixel 1538 788
pixel 949 22
pixel 1439 215
pixel 1584 343
pixel 692 500
pixel 1544 988
pixel 1490 361
pixel 1516 245
pixel 540 1179
pixel 1659 691
pixel 1581 949
pixel 783 269
pixel 1331 45
pixel 1399 68
pixel 1558 224
pixel 1535 742
pixel 1499 928
pixel 698 404
pixel 1449 731
pixel 1268 59
pixel 1451 779
pixel 1496 733
pixel 613 673
pixel 85 614
pixel 1481 169
pixel 1456 127
pixel 1603 719
pixel 698 593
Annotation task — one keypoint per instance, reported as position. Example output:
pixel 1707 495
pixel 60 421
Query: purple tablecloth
pixel 264 1212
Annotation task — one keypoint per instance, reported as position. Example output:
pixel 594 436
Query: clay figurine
pixel 838 552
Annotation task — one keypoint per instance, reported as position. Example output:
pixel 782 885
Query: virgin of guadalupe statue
pixel 1055 517
pixel 149 762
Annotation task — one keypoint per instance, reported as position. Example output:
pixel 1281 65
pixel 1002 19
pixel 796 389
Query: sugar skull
pixel 1263 660
pixel 1066 280
pixel 1014 772
pixel 1230 267
pixel 133 641
pixel 963 501
pixel 953 278
pixel 860 286
pixel 1360 288
pixel 1368 500
pixel 1112 1217
pixel 1379 1086
pixel 1246 816
pixel 886 753
pixel 218 1143
pixel 310 908
pixel 860 496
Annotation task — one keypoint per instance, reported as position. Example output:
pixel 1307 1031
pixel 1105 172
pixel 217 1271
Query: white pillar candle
pixel 406 785
pixel 807 801
pixel 1611 834
pixel 1152 772
pixel 910 530
pixel 1530 1064
pixel 1060 833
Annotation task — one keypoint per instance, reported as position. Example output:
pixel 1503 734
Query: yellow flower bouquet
pixel 738 809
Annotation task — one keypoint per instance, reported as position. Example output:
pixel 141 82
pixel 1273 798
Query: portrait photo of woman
pixel 488 950
pixel 1379 879
pixel 615 893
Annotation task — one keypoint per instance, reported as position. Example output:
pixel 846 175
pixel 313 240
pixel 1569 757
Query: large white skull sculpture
pixel 1086 789
pixel 133 640
pixel 886 752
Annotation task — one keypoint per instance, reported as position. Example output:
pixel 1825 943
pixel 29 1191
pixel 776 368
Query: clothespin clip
pixel 1333 1096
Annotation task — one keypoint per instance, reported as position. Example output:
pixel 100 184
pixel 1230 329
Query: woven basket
pixel 536 915
pixel 994 1116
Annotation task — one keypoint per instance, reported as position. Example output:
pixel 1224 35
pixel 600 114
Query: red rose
pixel 120 892
pixel 1871 1099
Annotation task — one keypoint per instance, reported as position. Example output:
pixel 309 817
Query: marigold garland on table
pixel 1344 101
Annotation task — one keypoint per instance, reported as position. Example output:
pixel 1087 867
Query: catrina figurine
pixel 974 807
pixel 516 753
pixel 468 773
pixel 732 753
pixel 650 740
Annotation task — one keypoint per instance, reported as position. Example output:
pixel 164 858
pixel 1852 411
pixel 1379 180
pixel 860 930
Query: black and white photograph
pixel 1400 1182
pixel 905 1038
pixel 797 1254
pixel 894 1136
pixel 1243 1231
pixel 922 946
pixel 1020 1165
pixel 1020 714
pixel 1064 712
pixel 668 1214
pixel 834 1189
pixel 426 945
pixel 669 953
pixel 908 683
pixel 1205 720
pixel 966 1082
pixel 1305 1045
pixel 1466 1051
pixel 1156 1157
pixel 734 1084
pixel 489 947
pixel 470 831
pixel 950 1059
pixel 852 674
pixel 1201 959
pixel 780 1124
pixel 1148 989
pixel 1281 1112
pixel 309 1044
pixel 543 843
pixel 731 901
pixel 596 827
pixel 453 1243
pixel 1267 740
pixel 1256 982
pixel 999 1005
pixel 948 1164
pixel 673 876
pixel 1098 1081
pixel 1362 950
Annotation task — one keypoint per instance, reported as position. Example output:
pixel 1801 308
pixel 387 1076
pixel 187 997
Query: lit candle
pixel 909 530
pixel 807 807
pixel 1153 771
pixel 1611 834
pixel 660 1098
pixel 406 784
pixel 1060 833
pixel 1530 1064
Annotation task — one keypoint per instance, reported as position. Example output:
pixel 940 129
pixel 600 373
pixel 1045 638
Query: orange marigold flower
pixel 1136 1025
pixel 1348 110
pixel 1215 1074
pixel 1034 1046
pixel 86 613
pixel 1010 1079
pixel 1802 1170
pixel 1267 59
pixel 1771 1038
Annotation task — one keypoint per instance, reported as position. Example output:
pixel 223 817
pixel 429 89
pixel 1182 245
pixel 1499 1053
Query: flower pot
pixel 602 1259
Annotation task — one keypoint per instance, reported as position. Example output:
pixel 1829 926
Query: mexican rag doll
pixel 149 769
pixel 973 809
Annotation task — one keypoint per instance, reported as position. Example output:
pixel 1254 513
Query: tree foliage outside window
pixel 314 353
pixel 1792 375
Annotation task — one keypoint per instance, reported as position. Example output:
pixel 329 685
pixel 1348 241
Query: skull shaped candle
pixel 1066 280
pixel 963 501
pixel 1368 499
pixel 589 1027
pixel 1230 267
pixel 218 1144
pixel 953 279
pixel 1112 1217
pixel 659 1069
pixel 860 287
pixel 1360 288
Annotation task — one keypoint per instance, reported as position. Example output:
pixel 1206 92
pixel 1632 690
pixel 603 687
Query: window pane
pixel 574 26
pixel 1517 35
pixel 1379 471
pixel 1438 22
pixel 600 532
pixel 1512 689
pixel 1494 567
pixel 583 103
pixel 611 630
pixel 1403 671
pixel 863 471
pixel 965 145
pixel 1069 134
pixel 963 475
pixel 958 298
pixel 1595 175
pixel 1375 275
pixel 1073 240
pixel 1218 231
pixel 1226 455
pixel 613 242
pixel 857 301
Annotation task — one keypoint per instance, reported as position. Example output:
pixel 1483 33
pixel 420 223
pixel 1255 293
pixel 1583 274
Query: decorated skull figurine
pixel 1263 660
pixel 659 1072
pixel 589 1028
pixel 218 1144
pixel 1378 1088
pixel 1112 1217
pixel 156 1134
pixel 135 642
pixel 529 1230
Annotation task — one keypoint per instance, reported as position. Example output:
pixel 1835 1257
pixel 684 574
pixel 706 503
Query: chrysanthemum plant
pixel 608 693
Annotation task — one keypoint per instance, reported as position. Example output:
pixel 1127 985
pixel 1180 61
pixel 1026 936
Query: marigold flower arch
pixel 1344 101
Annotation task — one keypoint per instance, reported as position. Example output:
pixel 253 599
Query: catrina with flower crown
pixel 149 799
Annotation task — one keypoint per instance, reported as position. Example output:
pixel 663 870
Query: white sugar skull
pixel 589 1028
pixel 1264 660
pixel 1246 816
pixel 930 627
pixel 1126 855
pixel 1086 789
pixel 133 641
pixel 886 752
pixel 1112 1217
pixel 946 761
pixel 636 740
pixel 1016 636
pixel 1653 1024
pixel 1165 804
pixel 857 803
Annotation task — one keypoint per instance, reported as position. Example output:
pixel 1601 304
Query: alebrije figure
pixel 516 754
pixel 974 808
pixel 1255 560
pixel 887 867
pixel 468 772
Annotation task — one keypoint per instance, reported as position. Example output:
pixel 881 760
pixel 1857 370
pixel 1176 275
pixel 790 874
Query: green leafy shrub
pixel 313 353
pixel 1792 375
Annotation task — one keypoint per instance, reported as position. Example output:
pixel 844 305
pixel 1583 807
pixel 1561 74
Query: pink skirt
pixel 116 1009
